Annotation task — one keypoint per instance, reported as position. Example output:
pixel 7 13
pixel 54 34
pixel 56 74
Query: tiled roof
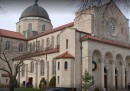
pixel 11 34
pixel 37 53
pixel 53 30
pixel 99 39
pixel 65 55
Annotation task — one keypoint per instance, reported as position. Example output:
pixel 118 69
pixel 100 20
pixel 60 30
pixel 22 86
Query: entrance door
pixel 30 80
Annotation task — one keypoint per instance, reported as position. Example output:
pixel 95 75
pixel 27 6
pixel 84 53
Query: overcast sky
pixel 60 12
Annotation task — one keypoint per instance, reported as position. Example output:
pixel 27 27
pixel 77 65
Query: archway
pixel 127 71
pixel 96 67
pixel 108 59
pixel 118 71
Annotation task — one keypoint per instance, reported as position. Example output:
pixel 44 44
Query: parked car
pixel 57 89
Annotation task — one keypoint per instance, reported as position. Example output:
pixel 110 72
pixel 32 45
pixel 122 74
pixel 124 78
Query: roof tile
pixel 11 34
pixel 65 55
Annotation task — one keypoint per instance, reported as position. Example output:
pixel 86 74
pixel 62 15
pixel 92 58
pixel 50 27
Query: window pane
pixel 66 65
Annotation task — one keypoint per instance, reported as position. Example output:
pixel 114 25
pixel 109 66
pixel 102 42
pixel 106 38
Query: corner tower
pixel 33 21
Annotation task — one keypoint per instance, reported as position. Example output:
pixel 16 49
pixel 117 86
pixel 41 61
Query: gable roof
pixel 65 55
pixel 107 41
pixel 52 30
pixel 11 34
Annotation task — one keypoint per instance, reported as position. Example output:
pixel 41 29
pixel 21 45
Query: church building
pixel 96 42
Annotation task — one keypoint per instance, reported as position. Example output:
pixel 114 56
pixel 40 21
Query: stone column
pixel 113 74
pixel 36 82
pixel 102 73
pixel 26 72
pixel 123 75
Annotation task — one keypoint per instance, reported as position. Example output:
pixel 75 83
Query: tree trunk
pixel 11 83
pixel 11 88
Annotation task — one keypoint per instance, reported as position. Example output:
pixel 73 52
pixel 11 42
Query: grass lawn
pixel 27 89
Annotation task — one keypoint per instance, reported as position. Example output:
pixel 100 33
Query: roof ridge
pixel 52 30
pixel 8 30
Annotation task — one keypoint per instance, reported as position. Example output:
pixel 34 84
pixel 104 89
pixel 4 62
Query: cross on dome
pixel 36 1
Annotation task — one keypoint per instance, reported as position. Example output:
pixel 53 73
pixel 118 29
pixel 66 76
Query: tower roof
pixel 35 11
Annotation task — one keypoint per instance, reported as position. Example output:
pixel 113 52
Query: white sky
pixel 60 12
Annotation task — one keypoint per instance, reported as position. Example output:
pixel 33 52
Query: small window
pixel 38 45
pixel 58 79
pixel 32 67
pixel 42 44
pixel 43 28
pixel 29 26
pixel 30 46
pixel 58 65
pixel 58 41
pixel 66 43
pixel 34 45
pixel 21 47
pixel 48 42
pixel 66 65
pixel 7 45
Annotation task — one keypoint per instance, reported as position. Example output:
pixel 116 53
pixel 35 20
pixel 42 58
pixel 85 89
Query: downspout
pixel 81 47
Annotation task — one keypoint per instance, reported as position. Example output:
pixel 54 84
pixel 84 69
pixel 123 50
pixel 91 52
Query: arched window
pixel 29 26
pixel 66 65
pixel 32 67
pixel 38 45
pixel 7 45
pixel 58 65
pixel 21 47
pixel 43 28
pixel 23 69
pixel 34 45
pixel 48 42
pixel 42 65
pixel 66 43
pixel 42 44
pixel 58 41
pixel 30 46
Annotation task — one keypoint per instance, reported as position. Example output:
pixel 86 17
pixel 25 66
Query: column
pixel 36 82
pixel 26 72
pixel 102 73
pixel 113 74
pixel 123 75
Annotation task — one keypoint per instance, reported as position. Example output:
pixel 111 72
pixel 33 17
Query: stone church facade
pixel 95 41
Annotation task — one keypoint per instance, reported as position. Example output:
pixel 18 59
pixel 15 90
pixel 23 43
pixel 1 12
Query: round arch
pixel 96 67
pixel 108 61
pixel 118 71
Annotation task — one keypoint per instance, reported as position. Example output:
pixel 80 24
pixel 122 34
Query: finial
pixel 36 1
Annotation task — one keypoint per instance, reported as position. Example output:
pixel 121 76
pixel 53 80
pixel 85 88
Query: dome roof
pixel 35 11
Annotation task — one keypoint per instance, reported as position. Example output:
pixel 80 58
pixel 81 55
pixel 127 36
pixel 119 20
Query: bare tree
pixel 7 59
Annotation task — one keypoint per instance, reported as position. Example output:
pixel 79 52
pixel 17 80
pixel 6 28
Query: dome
pixel 35 11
